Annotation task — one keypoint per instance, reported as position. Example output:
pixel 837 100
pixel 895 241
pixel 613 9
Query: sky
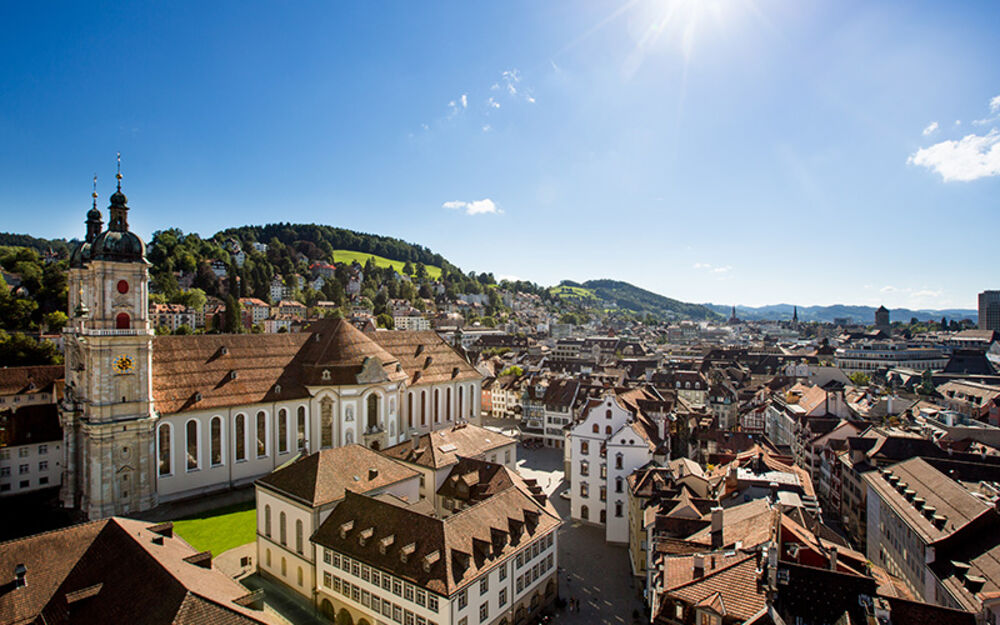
pixel 727 151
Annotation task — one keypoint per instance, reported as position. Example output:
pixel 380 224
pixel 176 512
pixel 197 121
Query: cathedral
pixel 150 419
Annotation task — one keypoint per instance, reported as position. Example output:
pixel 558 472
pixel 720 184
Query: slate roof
pixel 443 448
pixel 441 555
pixel 324 476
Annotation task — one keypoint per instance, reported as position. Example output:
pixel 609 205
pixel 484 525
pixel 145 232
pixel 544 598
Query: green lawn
pixel 347 256
pixel 220 529
pixel 572 291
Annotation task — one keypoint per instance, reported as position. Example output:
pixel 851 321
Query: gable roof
pixel 733 586
pixel 324 476
pixel 443 448
pixel 425 357
pixel 34 379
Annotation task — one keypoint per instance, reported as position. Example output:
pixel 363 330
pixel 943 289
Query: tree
pixel 385 321
pixel 408 268
pixel 193 298
pixel 184 329
pixel 859 378
pixel 56 321
pixel 421 271
pixel 20 350
pixel 233 320
pixel 926 383
pixel 513 370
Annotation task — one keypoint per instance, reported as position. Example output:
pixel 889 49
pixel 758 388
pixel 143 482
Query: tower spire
pixel 119 174
pixel 94 193
pixel 94 222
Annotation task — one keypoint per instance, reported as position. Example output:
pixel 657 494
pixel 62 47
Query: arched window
pixel 409 409
pixel 584 468
pixel 597 429
pixel 437 406
pixel 326 422
pixel 267 520
pixel 461 405
pixel 423 408
pixel 123 322
pixel 372 420
pixel 191 443
pixel 282 529
pixel 619 459
pixel 607 429
pixel 261 434
pixel 585 513
pixel 298 535
pixel 604 515
pixel 301 428
pixel 447 404
pixel 584 447
pixel 240 437
pixel 607 415
pixel 619 484
pixel 163 448
pixel 282 431
pixel 472 400
pixel 216 440
pixel 618 509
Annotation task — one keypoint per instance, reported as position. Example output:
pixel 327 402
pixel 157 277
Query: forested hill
pixel 327 238
pixel 617 295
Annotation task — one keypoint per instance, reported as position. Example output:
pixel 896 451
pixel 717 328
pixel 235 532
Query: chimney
pixel 833 559
pixel 20 576
pixel 699 566
pixel 717 519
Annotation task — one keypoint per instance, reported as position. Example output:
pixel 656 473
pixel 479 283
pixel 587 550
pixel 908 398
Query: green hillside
pixel 629 297
pixel 349 256
pixel 567 291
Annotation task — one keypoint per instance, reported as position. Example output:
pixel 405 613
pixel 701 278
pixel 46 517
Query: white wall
pixel 42 463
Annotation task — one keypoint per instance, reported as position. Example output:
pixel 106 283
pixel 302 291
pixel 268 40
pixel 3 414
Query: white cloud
pixel 530 99
pixel 475 207
pixel 465 101
pixel 994 110
pixel 702 266
pixel 888 289
pixel 721 269
pixel 970 158
pixel 930 128
pixel 492 103
pixel 713 268
pixel 511 78
pixel 487 128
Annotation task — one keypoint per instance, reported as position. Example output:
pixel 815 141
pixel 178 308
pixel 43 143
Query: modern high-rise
pixel 989 310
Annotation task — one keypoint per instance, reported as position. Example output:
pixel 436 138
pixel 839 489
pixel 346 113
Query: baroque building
pixel 148 419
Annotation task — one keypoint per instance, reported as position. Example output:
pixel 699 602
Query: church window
pixel 267 520
pixel 191 432
pixel 123 286
pixel 372 421
pixel 301 428
pixel 298 536
pixel 437 406
pixel 619 484
pixel 607 429
pixel 282 431
pixel 447 404
pixel 423 408
pixel 326 422
pixel 282 529
pixel 349 439
pixel 596 428
pixel 163 443
pixel 216 442
pixel 409 409
pixel 240 437
pixel 261 434
pixel 123 322
pixel 619 459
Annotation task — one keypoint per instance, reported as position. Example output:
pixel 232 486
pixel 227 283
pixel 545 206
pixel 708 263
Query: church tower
pixel 107 413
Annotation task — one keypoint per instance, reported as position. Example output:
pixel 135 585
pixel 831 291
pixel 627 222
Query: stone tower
pixel 107 414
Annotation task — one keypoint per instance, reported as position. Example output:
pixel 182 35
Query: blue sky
pixel 723 151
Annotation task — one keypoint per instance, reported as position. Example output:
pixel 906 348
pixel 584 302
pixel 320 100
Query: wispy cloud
pixel 713 268
pixel 994 111
pixel 485 206
pixel 487 128
pixel 930 128
pixel 492 103
pixel 464 100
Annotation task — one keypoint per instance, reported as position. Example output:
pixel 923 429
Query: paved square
pixel 591 571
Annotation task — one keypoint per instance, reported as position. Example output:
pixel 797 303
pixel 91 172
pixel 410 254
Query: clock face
pixel 124 364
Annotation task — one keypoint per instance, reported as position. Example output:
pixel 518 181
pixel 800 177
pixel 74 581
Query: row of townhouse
pixel 374 541
pixel 30 431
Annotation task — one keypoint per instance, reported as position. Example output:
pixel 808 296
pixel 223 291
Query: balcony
pixel 128 332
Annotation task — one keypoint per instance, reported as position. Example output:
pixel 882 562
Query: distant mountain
pixel 827 314
pixel 622 295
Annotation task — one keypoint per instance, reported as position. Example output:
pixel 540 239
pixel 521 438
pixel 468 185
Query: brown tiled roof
pixel 323 477
pixel 441 555
pixel 112 571
pixel 735 585
pixel 24 380
pixel 425 357
pixel 749 523
pixel 444 447
pixel 35 423
pixel 473 480
pixel 186 365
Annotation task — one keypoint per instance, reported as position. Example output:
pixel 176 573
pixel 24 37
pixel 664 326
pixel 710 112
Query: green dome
pixel 119 246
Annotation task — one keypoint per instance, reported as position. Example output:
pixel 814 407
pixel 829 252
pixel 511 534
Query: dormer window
pixel 233 375
pixel 223 350
pixel 277 389
pixel 326 374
